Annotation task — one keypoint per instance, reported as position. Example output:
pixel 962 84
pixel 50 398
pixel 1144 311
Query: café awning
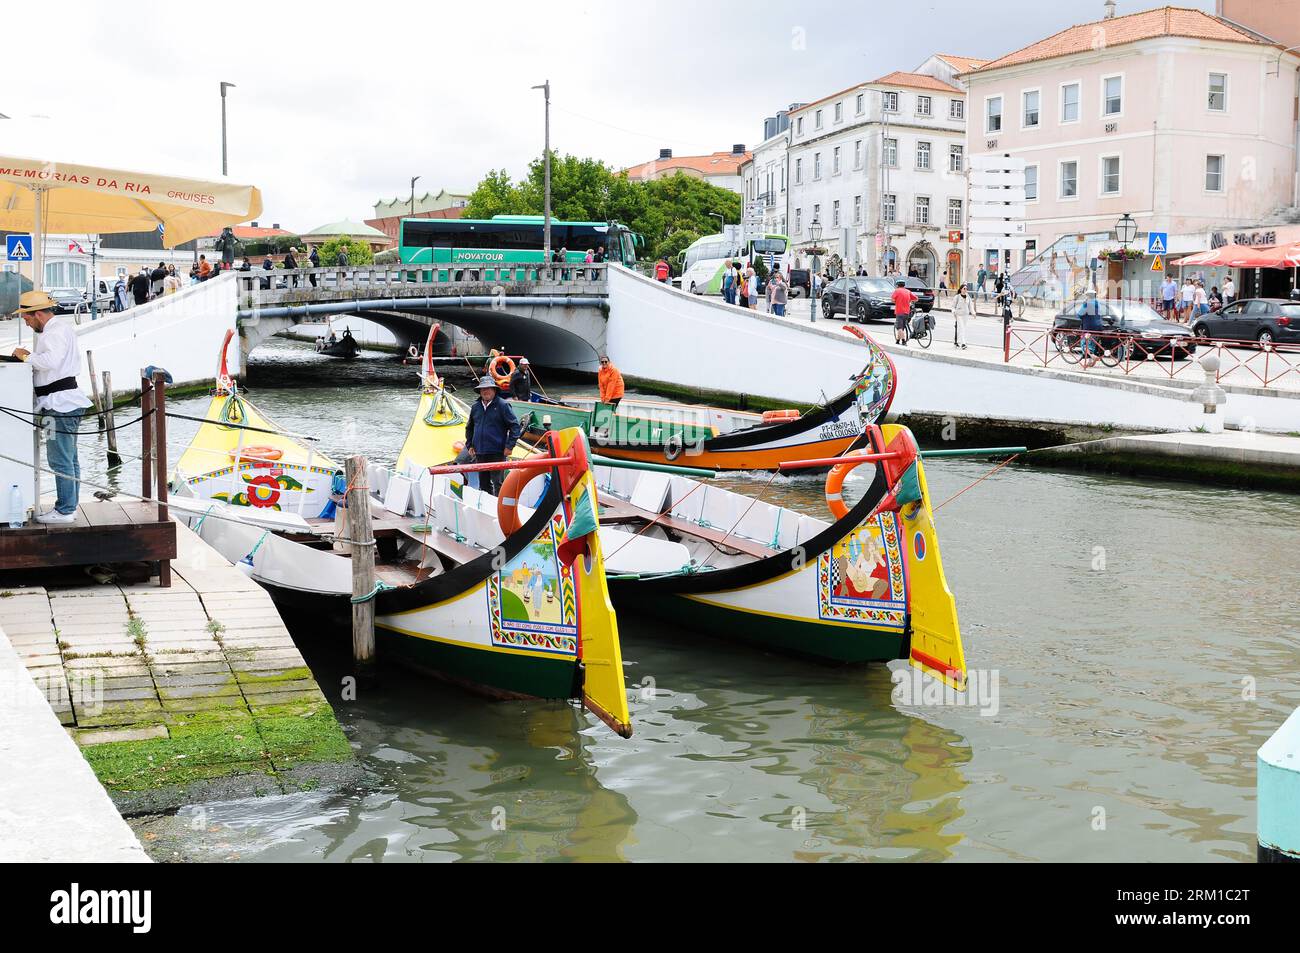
pixel 1245 256
pixel 52 197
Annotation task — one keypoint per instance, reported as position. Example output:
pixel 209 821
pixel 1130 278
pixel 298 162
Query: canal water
pixel 1133 643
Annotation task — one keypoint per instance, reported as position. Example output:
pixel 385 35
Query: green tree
pixel 494 195
pixel 669 248
pixel 359 253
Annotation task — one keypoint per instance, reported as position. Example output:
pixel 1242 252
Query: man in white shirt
pixel 60 402
pixel 1229 291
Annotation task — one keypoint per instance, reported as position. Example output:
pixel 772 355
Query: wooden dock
pixel 105 532
pixel 203 673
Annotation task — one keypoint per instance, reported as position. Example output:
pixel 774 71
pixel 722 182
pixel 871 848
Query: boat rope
pixel 35 423
pixel 438 405
pixel 649 524
pixel 717 547
pixel 976 483
pixel 199 525
pixel 776 533
pixel 380 586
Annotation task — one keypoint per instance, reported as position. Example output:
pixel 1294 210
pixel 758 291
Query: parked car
pixel 923 292
pixel 798 282
pixel 1265 320
pixel 860 299
pixel 1135 329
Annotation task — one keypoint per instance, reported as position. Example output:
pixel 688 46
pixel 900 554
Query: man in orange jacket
pixel 611 382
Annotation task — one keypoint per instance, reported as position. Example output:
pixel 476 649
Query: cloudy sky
pixel 333 111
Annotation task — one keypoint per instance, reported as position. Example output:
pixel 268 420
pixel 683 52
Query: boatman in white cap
pixel 59 401
pixel 521 381
pixel 491 433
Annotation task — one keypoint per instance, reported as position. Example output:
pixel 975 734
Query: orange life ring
pixel 771 415
pixel 257 456
pixel 835 483
pixel 498 375
pixel 508 499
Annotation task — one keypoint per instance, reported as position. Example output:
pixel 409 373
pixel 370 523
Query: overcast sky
pixel 332 112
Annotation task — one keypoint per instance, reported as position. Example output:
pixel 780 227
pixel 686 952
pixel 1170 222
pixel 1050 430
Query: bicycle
pixel 1072 345
pixel 919 327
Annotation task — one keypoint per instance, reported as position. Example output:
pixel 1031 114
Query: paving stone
pixel 101 736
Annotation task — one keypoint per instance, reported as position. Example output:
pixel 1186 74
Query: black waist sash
pixel 63 383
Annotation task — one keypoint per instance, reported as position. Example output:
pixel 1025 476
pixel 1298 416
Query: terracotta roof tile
pixel 1162 21
pixel 963 64
pixel 916 81
pixel 719 163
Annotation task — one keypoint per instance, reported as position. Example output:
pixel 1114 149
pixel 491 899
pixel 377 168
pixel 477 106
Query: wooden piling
pixel 94 390
pixel 160 468
pixel 363 565
pixel 146 437
pixel 108 422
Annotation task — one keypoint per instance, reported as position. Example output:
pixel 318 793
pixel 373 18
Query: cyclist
pixel 1089 323
pixel 903 301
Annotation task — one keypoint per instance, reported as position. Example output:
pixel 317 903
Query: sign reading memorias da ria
pixel 997 202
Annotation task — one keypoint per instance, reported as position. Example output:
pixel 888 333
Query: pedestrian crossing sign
pixel 1157 264
pixel 18 247
pixel 1157 243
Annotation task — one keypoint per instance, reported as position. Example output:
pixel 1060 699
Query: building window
pixel 924 105
pixel 835 214
pixel 956 109
pixel 891 153
pixel 857 154
pixel 817 213
pixel 1112 95
pixel 1218 92
pixel 835 161
pixel 956 158
pixel 860 103
pixel 857 210
pixel 798 171
pixel 993 114
pixel 817 119
pixel 922 210
pixel 1214 173
pixel 798 126
pixel 839 112
pixel 1070 102
pixel 817 166
pixel 1031 183
pixel 1030 117
pixel 890 101
pixel 954 213
pixel 66 274
pixel 889 208
pixel 1069 180
pixel 798 221
pixel 1110 175
pixel 923 155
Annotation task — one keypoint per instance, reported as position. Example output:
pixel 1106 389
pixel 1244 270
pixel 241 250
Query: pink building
pixel 1183 120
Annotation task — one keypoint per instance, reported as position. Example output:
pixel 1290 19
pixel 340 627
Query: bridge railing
pixel 394 279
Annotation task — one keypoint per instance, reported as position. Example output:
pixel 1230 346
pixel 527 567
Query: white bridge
pixel 660 337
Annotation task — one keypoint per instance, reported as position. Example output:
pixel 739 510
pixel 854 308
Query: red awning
pixel 1245 256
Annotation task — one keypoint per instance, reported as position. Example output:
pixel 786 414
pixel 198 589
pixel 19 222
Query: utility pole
pixel 414 179
pixel 546 163
pixel 224 87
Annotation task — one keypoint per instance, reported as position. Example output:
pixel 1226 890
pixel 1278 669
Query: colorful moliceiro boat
pixel 868 586
pixel 524 614
pixel 716 439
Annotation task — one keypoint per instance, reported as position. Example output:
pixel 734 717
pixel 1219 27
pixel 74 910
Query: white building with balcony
pixel 881 167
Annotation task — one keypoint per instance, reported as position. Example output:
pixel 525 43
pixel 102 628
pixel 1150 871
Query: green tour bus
pixel 506 247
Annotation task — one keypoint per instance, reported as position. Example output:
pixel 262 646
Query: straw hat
pixel 33 301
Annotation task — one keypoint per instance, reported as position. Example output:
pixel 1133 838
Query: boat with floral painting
pixel 521 611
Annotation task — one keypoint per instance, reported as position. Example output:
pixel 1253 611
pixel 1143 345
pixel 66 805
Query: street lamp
pixel 224 87
pixel 546 159
pixel 815 233
pixel 722 222
pixel 414 179
pixel 1126 230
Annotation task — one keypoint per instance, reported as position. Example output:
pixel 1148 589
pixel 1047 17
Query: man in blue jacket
pixel 1089 314
pixel 491 433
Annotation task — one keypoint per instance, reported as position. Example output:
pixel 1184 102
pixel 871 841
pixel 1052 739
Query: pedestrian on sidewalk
pixel 1168 293
pixel 120 302
pixel 751 284
pixel 140 286
pixel 662 271
pixel 1229 290
pixel 290 263
pixel 778 292
pixel 171 283
pixel 728 283
pixel 961 310
pixel 60 403
pixel 314 258
pixel 1186 296
pixel 980 277
pixel 742 288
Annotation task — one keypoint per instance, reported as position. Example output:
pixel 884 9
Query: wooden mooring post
pixel 363 566
pixel 146 437
pixel 108 422
pixel 94 389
